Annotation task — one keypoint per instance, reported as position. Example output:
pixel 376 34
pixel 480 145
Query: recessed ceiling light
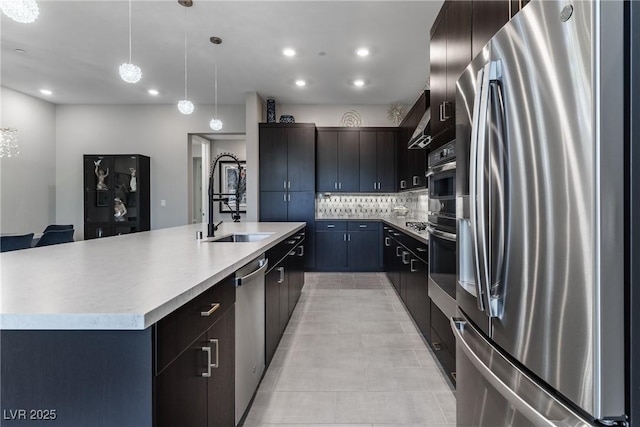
pixel 358 83
pixel 363 51
pixel 288 52
pixel 153 92
pixel 46 92
pixel 300 83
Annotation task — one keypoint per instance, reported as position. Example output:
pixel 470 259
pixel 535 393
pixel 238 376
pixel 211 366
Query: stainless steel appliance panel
pixel 491 391
pixel 535 187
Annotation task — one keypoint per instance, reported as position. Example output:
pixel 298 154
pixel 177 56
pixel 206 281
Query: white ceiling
pixel 75 48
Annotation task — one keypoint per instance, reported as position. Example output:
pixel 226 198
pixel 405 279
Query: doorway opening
pixel 202 149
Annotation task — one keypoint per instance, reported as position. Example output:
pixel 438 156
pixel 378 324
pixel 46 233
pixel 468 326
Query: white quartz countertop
pixel 124 282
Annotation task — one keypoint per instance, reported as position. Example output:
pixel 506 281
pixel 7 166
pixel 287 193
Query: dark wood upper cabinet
pixel 377 160
pixel 338 162
pixel 487 18
pixel 287 157
pixel 412 163
pixel 450 55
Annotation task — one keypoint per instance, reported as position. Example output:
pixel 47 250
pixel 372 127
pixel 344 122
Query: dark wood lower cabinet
pixel 283 286
pixel 348 246
pixel 443 342
pixel 221 385
pixel 197 388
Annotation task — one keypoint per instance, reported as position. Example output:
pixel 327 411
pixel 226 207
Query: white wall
pixel 28 181
pixel 159 132
pixel 331 115
pixel 254 114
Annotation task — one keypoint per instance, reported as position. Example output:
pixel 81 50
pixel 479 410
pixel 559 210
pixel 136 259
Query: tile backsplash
pixel 365 205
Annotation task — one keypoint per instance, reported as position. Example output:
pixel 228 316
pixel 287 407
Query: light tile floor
pixel 351 356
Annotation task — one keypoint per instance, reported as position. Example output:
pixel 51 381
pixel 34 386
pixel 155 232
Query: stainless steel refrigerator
pixel 540 217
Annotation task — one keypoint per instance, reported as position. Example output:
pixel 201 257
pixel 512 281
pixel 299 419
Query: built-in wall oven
pixel 441 175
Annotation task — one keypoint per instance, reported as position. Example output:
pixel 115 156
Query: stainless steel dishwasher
pixel 249 331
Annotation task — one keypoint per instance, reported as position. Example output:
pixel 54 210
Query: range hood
pixel 421 137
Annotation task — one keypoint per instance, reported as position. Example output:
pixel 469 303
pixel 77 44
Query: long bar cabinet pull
pixel 212 310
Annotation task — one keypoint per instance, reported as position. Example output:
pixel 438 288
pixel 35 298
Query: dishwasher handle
pixel 263 264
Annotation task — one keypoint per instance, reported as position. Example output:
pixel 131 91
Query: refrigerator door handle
pixel 477 192
pixel 473 196
pixel 459 326
pixel 497 193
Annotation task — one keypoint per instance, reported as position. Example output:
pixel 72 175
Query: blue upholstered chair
pixel 56 227
pixel 13 243
pixel 55 237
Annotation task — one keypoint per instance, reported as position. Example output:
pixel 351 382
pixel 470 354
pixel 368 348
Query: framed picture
pixel 229 178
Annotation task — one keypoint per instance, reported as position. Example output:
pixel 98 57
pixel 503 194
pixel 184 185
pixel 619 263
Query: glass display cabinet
pixel 116 194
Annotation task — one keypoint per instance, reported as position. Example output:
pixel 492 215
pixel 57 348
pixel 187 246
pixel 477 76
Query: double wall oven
pixel 441 175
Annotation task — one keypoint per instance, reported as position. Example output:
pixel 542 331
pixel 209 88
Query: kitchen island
pixel 78 321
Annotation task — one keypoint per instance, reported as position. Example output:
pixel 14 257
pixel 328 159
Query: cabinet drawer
pixel 179 329
pixel 363 226
pixel 443 341
pixel 331 225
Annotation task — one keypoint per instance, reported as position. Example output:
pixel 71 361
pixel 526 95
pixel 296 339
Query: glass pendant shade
pixel 215 124
pixel 9 142
pixel 185 106
pixel 130 73
pixel 23 11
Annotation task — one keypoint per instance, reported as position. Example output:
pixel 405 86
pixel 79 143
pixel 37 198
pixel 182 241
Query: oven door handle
pixel 442 234
pixel 441 168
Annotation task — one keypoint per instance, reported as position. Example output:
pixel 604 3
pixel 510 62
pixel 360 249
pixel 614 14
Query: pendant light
pixel 23 11
pixel 9 142
pixel 185 106
pixel 129 72
pixel 215 123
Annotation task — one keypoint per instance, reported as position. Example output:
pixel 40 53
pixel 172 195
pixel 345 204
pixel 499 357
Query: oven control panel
pixel 444 154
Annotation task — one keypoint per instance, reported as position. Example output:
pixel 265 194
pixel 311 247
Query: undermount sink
pixel 241 237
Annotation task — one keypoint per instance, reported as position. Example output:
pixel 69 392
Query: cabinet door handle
pixel 339 186
pixel 375 185
pixel 403 184
pixel 281 270
pixel 379 186
pixel 331 226
pixel 413 269
pixel 405 254
pixel 421 249
pixel 209 364
pixel 289 197
pixel 301 247
pixel 344 237
pixel 387 241
pixel 284 198
pixel 444 111
pixel 363 226
pixel 349 237
pixel 288 184
pixel 398 249
pixel 212 310
pixel 291 242
pixel 443 117
pixel 284 184
pixel 335 185
pixel 437 346
pixel 415 179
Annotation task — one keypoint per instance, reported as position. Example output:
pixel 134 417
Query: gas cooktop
pixel 416 225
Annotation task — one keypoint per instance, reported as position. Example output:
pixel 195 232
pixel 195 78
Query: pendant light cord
pixel 129 31
pixel 215 87
pixel 185 54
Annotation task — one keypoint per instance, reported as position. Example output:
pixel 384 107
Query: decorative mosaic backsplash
pixel 365 205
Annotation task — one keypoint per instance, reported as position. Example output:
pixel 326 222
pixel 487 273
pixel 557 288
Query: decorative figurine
pixel 133 184
pixel 119 210
pixel 101 176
